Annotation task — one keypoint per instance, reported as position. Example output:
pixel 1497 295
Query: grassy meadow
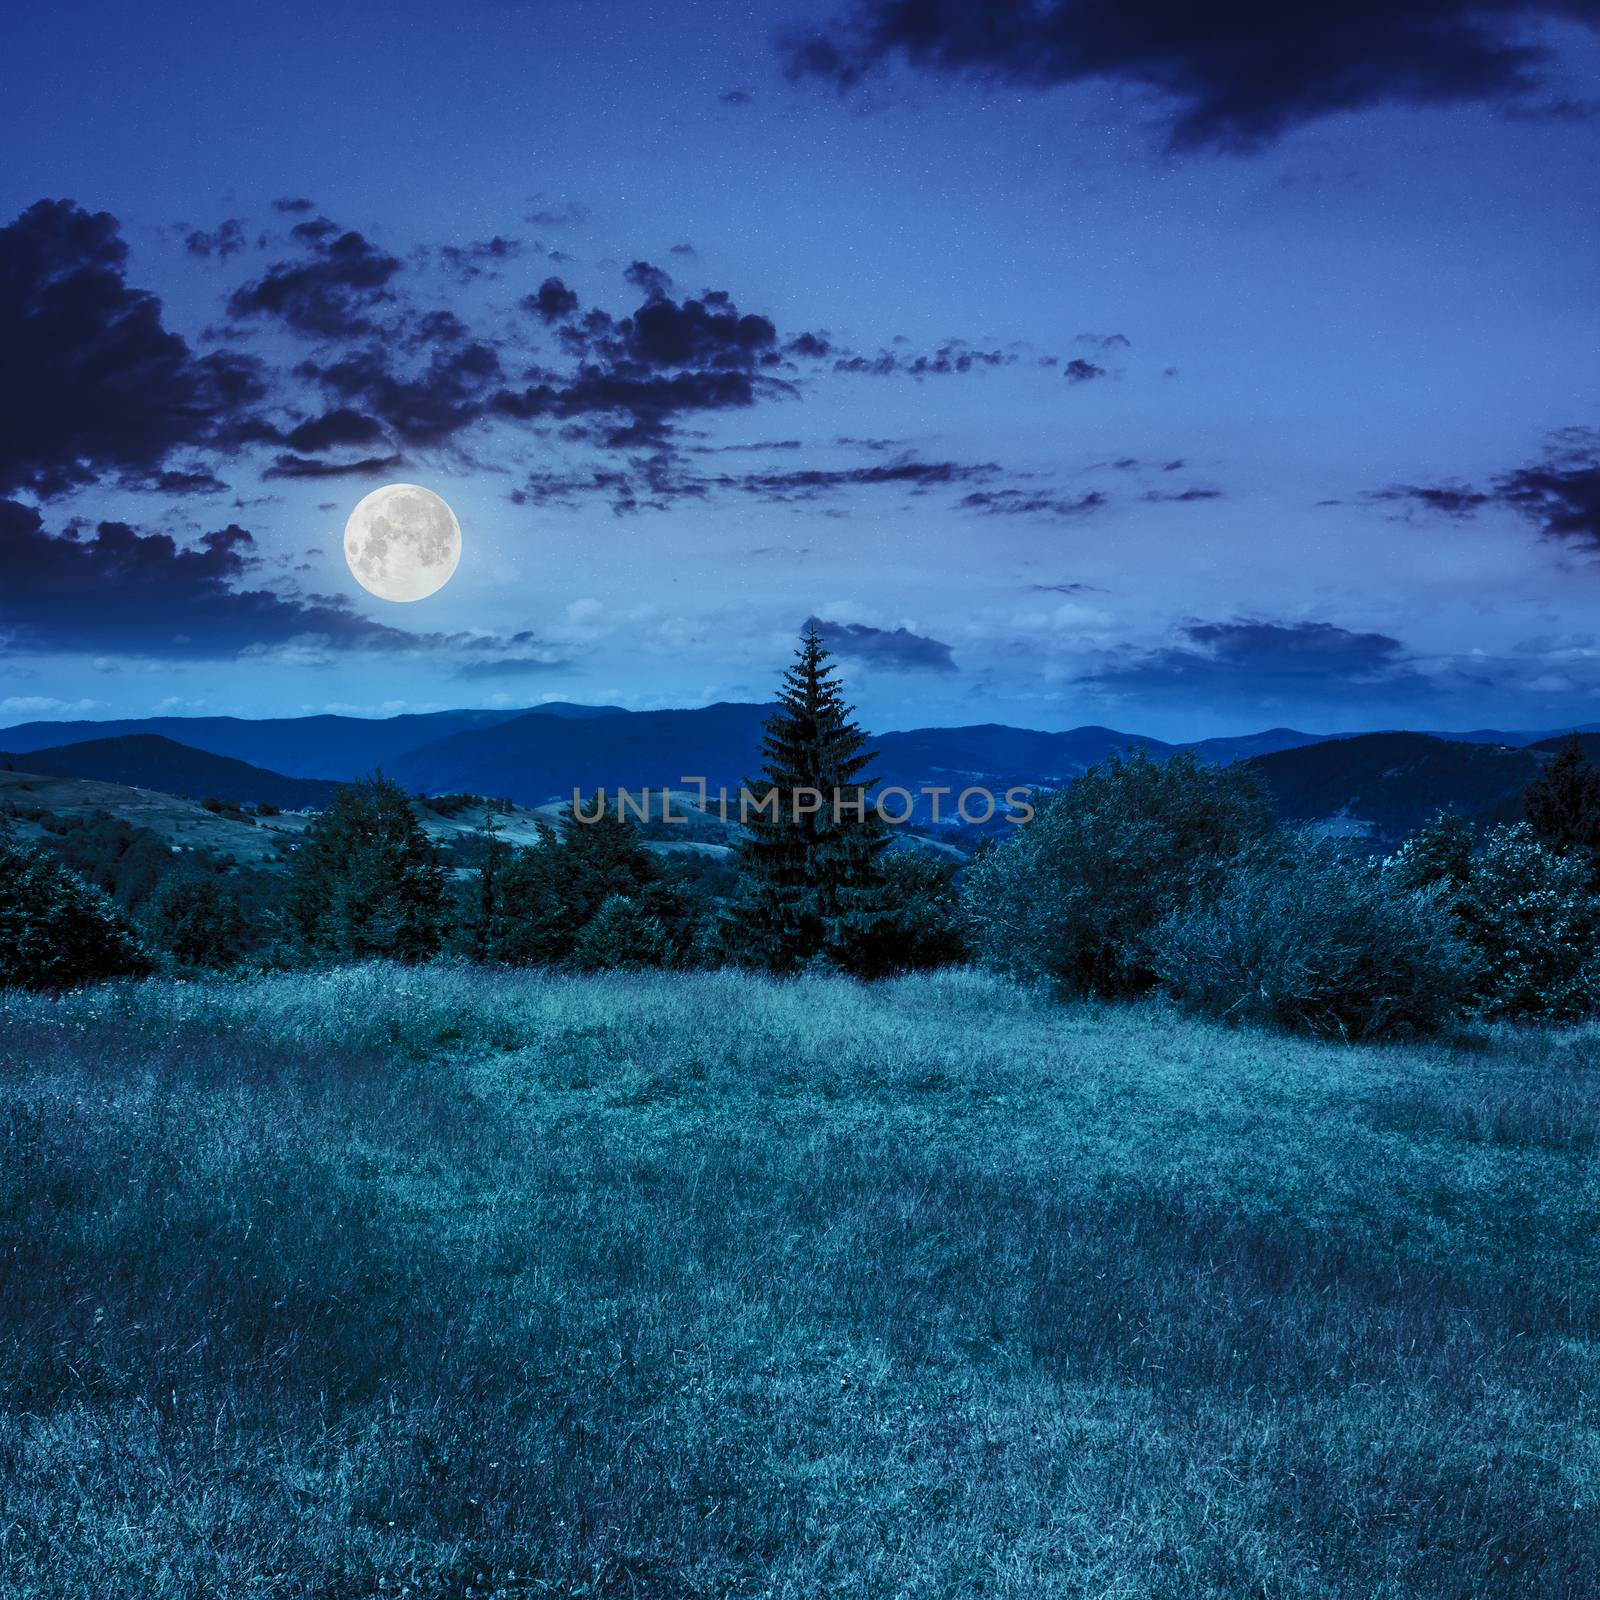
pixel 448 1282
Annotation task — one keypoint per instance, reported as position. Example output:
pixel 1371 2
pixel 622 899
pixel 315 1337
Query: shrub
pixel 1073 898
pixel 1526 912
pixel 197 921
pixel 56 931
pixel 920 924
pixel 1307 938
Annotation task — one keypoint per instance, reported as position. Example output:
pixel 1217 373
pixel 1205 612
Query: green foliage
pixel 1305 937
pixel 920 925
pixel 120 859
pixel 534 906
pixel 56 931
pixel 1562 807
pixel 365 880
pixel 812 878
pixel 197 921
pixel 1073 897
pixel 622 936
pixel 1527 913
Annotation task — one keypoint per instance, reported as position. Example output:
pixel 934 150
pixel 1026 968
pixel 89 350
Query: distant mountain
pixel 1382 785
pixel 305 747
pixel 535 758
pixel 1377 784
pixel 149 761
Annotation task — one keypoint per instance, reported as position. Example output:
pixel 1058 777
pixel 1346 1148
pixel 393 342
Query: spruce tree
pixel 366 879
pixel 1562 806
pixel 812 875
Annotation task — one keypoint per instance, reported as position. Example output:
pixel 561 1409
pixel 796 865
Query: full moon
pixel 402 542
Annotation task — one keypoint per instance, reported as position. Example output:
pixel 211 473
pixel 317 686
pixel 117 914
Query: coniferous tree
pixel 544 896
pixel 812 877
pixel 366 880
pixel 1562 806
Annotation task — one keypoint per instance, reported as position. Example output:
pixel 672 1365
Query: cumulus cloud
pixel 895 649
pixel 328 290
pixel 226 239
pixel 95 385
pixel 1233 75
pixel 122 592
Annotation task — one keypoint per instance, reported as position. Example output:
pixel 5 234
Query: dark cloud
pixel 121 592
pixel 329 291
pixel 1562 497
pixel 1032 503
pixel 553 301
pixel 337 427
pixel 226 239
pixel 94 384
pixel 955 356
pixel 510 667
pixel 1106 341
pixel 1234 75
pixel 735 97
pixel 466 262
pixel 1077 370
pixel 651 280
pixel 198 481
pixel 897 649
pixel 808 483
pixel 1181 496
pixel 1264 663
pixel 1560 494
pixel 684 249
pixel 422 407
pixel 1446 499
pixel 1066 588
pixel 287 466
pixel 293 205
pixel 653 481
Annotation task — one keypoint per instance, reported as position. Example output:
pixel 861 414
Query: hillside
pixel 151 761
pixel 333 747
pixel 1380 786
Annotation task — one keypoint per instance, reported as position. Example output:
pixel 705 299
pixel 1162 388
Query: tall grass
pixel 449 1283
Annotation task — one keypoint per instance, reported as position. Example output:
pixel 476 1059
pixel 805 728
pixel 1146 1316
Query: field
pixel 452 1283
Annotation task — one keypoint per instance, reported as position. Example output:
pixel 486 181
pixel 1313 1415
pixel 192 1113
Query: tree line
pixel 1141 876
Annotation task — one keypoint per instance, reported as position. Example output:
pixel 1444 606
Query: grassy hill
pixel 448 1283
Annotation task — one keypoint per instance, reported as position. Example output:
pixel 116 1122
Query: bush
pixel 197 921
pixel 1074 897
pixel 1526 912
pixel 55 930
pixel 919 926
pixel 1307 938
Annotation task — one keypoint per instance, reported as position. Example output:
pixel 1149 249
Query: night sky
pixel 1189 368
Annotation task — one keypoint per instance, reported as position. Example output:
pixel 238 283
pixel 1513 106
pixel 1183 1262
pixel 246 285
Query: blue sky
pixel 1062 381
